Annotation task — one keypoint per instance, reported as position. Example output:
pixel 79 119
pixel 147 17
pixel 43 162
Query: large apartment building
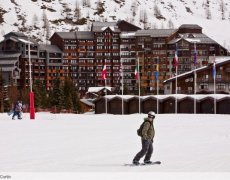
pixel 81 55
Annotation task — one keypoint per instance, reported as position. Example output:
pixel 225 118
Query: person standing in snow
pixel 17 110
pixel 147 135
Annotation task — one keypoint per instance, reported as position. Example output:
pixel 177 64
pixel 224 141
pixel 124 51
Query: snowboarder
pixel 17 110
pixel 147 135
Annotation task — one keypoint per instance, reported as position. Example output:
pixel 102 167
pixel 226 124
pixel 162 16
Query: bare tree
pixel 162 25
pixel 207 9
pixel 84 2
pixel 67 11
pixel 145 20
pixel 223 9
pixel 77 12
pixel 170 24
pixel 208 13
pixel 48 33
pixel 141 18
pixel 157 11
pixel 35 21
pixel 46 26
pixel 134 8
pixel 154 26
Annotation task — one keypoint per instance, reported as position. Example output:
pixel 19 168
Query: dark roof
pixel 76 35
pixel 156 32
pixel 17 34
pixel 10 55
pixel 85 35
pixel 190 26
pixel 49 48
pixel 67 35
pixel 126 26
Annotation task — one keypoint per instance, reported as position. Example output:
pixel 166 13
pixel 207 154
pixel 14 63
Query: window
pixel 190 90
pixel 203 86
pixel 220 86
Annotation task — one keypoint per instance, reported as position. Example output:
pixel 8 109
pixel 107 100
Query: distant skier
pixel 147 133
pixel 17 110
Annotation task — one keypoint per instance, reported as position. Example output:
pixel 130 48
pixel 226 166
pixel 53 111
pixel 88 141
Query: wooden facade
pixel 204 80
pixel 185 105
pixel 149 104
pixel 120 45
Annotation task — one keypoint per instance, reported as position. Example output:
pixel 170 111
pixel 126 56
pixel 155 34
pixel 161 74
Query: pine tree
pixel 57 95
pixel 40 95
pixel 67 91
pixel 24 94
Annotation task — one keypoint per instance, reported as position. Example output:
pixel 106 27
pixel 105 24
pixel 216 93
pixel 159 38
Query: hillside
pixel 70 15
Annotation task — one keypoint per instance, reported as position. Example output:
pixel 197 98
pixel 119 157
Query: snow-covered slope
pixel 103 143
pixel 79 143
pixel 18 15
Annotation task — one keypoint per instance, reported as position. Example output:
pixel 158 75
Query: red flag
pixel 103 73
pixel 175 60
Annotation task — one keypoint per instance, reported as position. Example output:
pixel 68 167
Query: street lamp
pixel 32 111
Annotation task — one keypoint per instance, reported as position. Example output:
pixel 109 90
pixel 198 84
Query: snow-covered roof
pixel 88 102
pixel 97 89
pixel 127 34
pixel 25 41
pixel 198 97
pixel 197 37
pixel 101 26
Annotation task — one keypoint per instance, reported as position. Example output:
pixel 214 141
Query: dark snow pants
pixel 147 150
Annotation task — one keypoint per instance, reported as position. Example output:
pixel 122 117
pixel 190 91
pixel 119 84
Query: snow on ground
pixel 54 143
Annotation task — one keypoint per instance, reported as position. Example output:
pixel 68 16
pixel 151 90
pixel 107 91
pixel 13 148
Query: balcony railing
pixel 211 80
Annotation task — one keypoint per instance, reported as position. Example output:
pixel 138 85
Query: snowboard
pixel 143 164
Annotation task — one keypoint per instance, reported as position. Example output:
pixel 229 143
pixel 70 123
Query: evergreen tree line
pixel 63 96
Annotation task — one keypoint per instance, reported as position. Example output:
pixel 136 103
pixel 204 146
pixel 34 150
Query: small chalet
pixel 204 82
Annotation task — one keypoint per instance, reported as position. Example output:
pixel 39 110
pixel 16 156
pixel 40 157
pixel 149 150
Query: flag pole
pixel 176 59
pixel 105 98
pixel 122 85
pixel 139 84
pixel 176 93
pixel 214 83
pixel 195 78
pixel 195 91
pixel 157 85
pixel 103 77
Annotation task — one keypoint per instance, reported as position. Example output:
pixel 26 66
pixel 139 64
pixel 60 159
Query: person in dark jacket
pixel 17 110
pixel 148 134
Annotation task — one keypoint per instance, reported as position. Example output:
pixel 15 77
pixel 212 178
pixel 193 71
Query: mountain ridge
pixel 71 15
